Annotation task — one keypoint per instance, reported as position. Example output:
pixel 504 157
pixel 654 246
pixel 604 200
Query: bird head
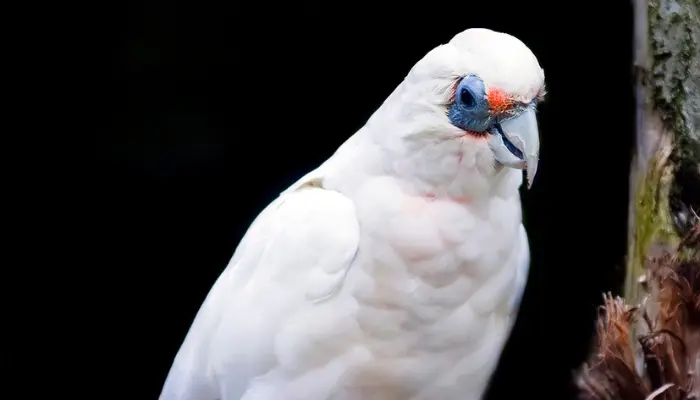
pixel 481 89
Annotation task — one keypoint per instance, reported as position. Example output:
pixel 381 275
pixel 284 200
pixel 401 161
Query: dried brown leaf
pixel 671 350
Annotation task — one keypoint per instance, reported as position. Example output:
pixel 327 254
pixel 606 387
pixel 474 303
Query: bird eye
pixel 467 98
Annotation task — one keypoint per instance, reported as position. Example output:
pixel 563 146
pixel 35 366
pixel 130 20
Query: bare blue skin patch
pixel 470 110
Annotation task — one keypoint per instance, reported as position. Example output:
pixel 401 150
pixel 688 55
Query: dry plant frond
pixel 672 348
pixel 610 373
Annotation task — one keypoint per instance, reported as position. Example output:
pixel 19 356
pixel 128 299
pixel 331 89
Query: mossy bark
pixel 665 176
pixel 648 344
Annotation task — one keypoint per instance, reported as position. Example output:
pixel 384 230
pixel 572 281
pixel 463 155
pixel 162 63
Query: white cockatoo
pixel 393 271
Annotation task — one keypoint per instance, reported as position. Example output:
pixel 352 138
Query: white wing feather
pixel 295 254
pixel 522 272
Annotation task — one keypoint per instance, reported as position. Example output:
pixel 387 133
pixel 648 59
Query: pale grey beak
pixel 516 143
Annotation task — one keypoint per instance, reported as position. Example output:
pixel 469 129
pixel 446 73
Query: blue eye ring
pixel 467 98
pixel 469 110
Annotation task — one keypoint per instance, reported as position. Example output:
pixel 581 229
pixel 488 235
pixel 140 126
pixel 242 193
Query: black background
pixel 216 107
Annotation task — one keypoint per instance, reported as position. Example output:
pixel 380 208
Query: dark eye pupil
pixel 467 98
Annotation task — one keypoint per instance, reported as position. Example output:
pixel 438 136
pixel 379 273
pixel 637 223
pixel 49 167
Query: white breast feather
pixel 423 312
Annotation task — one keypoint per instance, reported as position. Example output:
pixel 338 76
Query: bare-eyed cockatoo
pixel 393 271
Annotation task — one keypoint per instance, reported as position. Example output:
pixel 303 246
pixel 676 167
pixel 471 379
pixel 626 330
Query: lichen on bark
pixel 674 32
pixel 651 223
pixel 666 172
pixel 674 40
pixel 657 353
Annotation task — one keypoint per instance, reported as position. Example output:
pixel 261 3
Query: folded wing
pixel 295 255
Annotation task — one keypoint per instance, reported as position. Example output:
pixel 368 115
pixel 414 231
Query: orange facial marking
pixel 457 199
pixel 499 101
pixel 476 135
pixel 461 199
pixel 453 91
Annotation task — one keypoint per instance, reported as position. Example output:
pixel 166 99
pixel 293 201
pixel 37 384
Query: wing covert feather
pixel 296 253
pixel 523 269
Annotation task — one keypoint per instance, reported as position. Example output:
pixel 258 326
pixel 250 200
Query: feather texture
pixel 295 253
pixel 426 304
pixel 393 271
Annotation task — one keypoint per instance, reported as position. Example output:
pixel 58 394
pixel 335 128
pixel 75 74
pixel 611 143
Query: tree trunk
pixel 654 347
pixel 667 69
pixel 665 176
